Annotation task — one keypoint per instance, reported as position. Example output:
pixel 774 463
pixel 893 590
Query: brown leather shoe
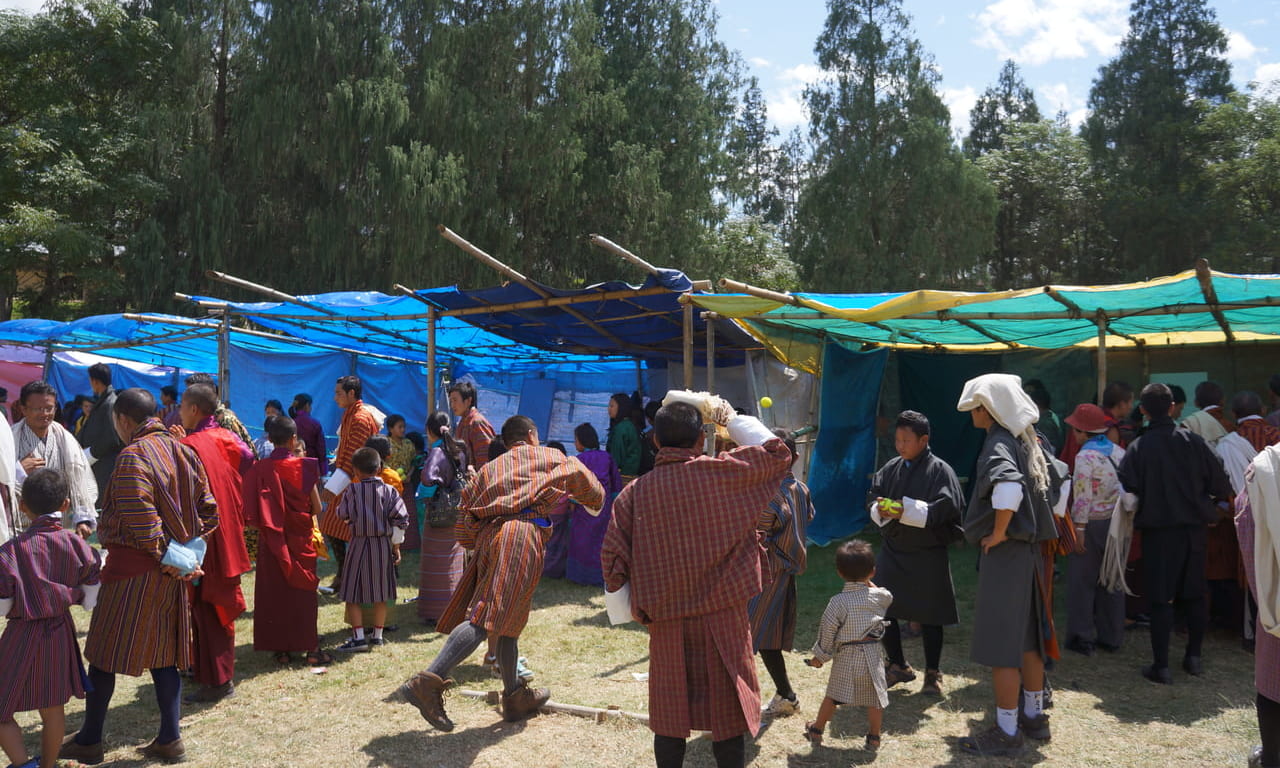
pixel 523 702
pixel 894 674
pixel 932 683
pixel 89 754
pixel 173 752
pixel 425 691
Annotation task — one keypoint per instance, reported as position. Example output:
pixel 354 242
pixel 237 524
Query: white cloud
pixel 1239 48
pixel 1036 32
pixel 941 21
pixel 1059 97
pixel 960 101
pixel 1267 73
pixel 786 100
pixel 760 63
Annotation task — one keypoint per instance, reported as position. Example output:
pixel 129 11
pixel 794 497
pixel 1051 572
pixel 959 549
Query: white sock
pixel 357 633
pixel 1033 703
pixel 377 633
pixel 1007 719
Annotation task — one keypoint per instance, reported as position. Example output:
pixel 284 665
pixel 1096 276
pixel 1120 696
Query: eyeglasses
pixel 42 409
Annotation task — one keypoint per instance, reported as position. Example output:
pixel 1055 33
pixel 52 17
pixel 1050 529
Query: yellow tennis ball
pixel 766 402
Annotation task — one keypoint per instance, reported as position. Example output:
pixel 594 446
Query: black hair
pixel 44 490
pixel 367 461
pixel 1246 403
pixel 496 447
pixel 1116 393
pixel 135 404
pixel 438 424
pixel 203 397
pixel 100 372
pixel 300 400
pixel 854 560
pixel 1273 384
pixel 273 404
pixel 393 420
pixel 517 428
pixel 170 390
pixel 280 429
pixel 419 442
pixel 381 444
pixel 37 387
pixel 1208 393
pixel 678 425
pixel 788 441
pixel 1156 400
pixel 199 378
pixel 651 409
pixel 351 385
pixel 624 407
pixel 1040 397
pixel 466 391
pixel 559 446
pixel 587 435
pixel 915 421
pixel 1179 394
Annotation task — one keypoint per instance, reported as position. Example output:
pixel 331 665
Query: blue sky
pixel 1059 45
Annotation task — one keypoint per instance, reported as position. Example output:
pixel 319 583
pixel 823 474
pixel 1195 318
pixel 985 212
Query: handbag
pixel 441 509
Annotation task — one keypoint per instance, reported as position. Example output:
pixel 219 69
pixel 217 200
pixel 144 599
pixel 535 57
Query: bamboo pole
pixel 591 713
pixel 688 345
pixel 709 321
pixel 1101 321
pixel 1205 278
pixel 224 352
pixel 431 362
pixel 759 293
pixel 517 306
pixel 603 242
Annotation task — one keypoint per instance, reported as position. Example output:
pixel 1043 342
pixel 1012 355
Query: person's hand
pixel 84 529
pixel 178 431
pixel 1079 540
pixel 815 663
pixel 395 554
pixel 32 463
pixel 992 540
pixel 889 508
pixel 719 410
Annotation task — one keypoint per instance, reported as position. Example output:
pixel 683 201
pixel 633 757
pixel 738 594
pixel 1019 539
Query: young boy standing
pixel 378 519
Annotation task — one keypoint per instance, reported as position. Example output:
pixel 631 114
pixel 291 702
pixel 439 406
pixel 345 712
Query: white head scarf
pixel 9 480
pixel 1012 408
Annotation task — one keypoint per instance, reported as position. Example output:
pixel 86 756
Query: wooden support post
pixel 1101 321
pixel 709 319
pixel 224 351
pixel 431 361
pixel 1205 277
pixel 688 345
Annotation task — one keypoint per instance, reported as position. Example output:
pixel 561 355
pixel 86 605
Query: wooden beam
pixel 688 345
pixel 709 322
pixel 1071 306
pixel 974 326
pixel 601 241
pixel 1101 321
pixel 759 293
pixel 1205 278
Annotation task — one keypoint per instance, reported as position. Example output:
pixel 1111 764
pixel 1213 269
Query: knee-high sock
pixel 463 641
pixel 509 661
pixel 169 698
pixel 668 751
pixel 730 753
pixel 215 644
pixel 777 668
pixel 1161 629
pixel 933 634
pixel 1269 725
pixel 893 643
pixel 96 703
pixel 1197 623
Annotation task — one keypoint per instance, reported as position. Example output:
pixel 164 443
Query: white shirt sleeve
pixel 1064 493
pixel 88 454
pixel 1006 495
pixel 6 605
pixel 338 482
pixel 915 512
pixel 874 508
pixel 397 535
pixel 748 430
pixel 90 596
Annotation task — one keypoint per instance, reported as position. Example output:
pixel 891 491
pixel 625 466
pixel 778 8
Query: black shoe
pixel 354 646
pixel 1034 727
pixel 1156 674
pixel 391 628
pixel 374 642
pixel 1082 647
pixel 993 742
pixel 1192 665
pixel 1109 648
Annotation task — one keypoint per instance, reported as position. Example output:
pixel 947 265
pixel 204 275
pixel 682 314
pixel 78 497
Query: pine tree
pixel 1000 107
pixel 1145 109
pixel 892 203
pixel 754 155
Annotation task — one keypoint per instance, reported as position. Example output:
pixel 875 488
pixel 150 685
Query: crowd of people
pixel 1159 521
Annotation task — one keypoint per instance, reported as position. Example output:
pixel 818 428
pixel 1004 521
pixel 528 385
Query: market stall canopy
pixel 1198 306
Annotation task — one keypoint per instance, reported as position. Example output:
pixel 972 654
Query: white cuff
pixel 88 454
pixel 1064 494
pixel 915 512
pixel 90 596
pixel 874 508
pixel 1128 502
pixel 618 605
pixel 748 430
pixel 338 482
pixel 1006 495
pixel 88 517
pixel 397 535
pixel 6 605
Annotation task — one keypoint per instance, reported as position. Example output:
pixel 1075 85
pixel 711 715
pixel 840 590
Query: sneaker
pixel 894 674
pixel 1036 728
pixel 993 742
pixel 522 669
pixel 354 646
pixel 374 642
pixel 781 707
pixel 1193 666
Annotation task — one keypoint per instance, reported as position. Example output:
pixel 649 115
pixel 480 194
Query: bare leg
pixel 1006 680
pixel 875 716
pixel 1032 672
pixel 379 614
pixel 11 742
pixel 825 712
pixel 53 721
pixel 354 615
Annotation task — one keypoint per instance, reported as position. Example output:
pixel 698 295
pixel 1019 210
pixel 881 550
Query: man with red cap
pixel 1095 616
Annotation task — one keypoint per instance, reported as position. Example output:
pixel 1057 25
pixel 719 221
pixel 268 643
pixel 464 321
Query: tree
pixel 1243 136
pixel 892 203
pixel 754 156
pixel 1002 106
pixel 1050 200
pixel 1145 108
pixel 747 248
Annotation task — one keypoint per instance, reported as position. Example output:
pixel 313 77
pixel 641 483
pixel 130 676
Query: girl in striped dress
pixel 43 572
pixel 377 517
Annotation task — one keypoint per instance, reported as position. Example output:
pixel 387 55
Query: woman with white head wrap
pixel 1009 513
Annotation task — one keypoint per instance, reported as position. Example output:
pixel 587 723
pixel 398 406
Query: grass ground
pixel 1105 713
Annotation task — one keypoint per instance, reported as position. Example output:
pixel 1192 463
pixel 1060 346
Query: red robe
pixel 277 501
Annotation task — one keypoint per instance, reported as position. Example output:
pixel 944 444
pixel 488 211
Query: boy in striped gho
pixel 377 516
pixel 43 572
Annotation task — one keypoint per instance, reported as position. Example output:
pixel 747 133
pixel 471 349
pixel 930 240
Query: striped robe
pixel 372 508
pixel 358 425
pixel 475 433
pixel 158 492
pixel 782 525
pixel 496 520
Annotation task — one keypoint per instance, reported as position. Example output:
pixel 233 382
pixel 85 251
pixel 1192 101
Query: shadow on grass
pixel 459 748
